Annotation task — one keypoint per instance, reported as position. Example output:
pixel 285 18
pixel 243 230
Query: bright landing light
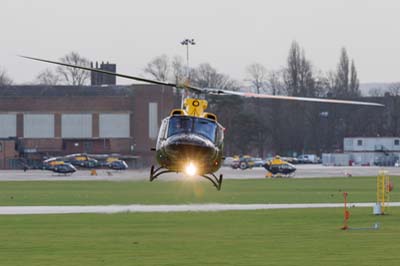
pixel 191 169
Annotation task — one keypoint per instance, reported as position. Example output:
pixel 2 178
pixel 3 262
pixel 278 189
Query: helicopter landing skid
pixel 217 182
pixel 159 171
pixel 154 173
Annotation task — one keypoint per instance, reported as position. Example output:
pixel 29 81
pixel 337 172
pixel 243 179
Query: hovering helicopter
pixel 191 140
pixel 279 167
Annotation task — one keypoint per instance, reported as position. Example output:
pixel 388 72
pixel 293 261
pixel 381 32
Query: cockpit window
pixel 184 124
pixel 205 128
pixel 179 124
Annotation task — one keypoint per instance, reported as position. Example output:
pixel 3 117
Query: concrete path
pixel 22 210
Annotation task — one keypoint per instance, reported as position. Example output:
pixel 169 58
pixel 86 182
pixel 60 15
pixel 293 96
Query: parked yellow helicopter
pixel 279 167
pixel 191 140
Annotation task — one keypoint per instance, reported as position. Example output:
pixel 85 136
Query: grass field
pixel 276 237
pixel 273 237
pixel 360 189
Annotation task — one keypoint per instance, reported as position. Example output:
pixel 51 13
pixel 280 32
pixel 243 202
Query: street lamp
pixel 187 42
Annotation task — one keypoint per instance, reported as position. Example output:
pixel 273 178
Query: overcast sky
pixel 230 34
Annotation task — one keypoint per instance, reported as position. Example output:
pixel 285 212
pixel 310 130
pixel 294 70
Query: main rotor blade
pixel 292 98
pixel 198 90
pixel 209 91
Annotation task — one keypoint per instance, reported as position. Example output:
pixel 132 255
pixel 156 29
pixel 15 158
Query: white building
pixel 366 151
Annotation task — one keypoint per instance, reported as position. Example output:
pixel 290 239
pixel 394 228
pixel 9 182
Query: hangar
pixel 38 121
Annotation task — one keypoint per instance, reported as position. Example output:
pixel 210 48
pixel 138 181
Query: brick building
pixel 103 79
pixel 38 121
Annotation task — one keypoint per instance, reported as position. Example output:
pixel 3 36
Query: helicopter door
pixel 162 134
pixel 220 135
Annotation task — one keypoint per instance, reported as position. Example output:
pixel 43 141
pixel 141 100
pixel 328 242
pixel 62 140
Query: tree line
pixel 266 127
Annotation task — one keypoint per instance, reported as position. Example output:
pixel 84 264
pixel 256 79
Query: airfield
pixel 303 171
pixel 120 218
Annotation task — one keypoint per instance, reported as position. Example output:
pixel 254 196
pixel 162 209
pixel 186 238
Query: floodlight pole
pixel 187 42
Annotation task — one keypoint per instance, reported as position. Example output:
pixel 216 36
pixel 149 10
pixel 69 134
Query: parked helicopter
pixel 83 161
pixel 279 167
pixel 58 166
pixel 191 140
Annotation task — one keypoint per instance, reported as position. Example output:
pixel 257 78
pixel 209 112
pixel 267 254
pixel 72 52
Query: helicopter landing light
pixel 191 169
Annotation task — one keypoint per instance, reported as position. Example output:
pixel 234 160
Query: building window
pixel 76 125
pixel 1 147
pixel 8 125
pixel 397 142
pixel 39 125
pixel 153 120
pixel 114 125
pixel 88 146
pixel 359 142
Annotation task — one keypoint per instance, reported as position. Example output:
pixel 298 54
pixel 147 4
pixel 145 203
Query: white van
pixel 308 158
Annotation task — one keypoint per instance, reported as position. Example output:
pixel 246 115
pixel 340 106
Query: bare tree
pixel 4 78
pixel 275 81
pixel 394 89
pixel 376 92
pixel 73 76
pixel 205 76
pixel 159 68
pixel 257 76
pixel 47 77
pixel 178 69
pixel 298 75
pixel 346 80
pixel 354 82
pixel 342 75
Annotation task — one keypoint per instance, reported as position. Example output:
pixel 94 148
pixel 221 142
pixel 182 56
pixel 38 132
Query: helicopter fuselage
pixel 278 166
pixel 190 140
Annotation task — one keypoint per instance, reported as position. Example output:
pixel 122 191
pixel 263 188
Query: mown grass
pixel 360 189
pixel 274 237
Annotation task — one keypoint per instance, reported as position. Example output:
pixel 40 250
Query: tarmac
pixel 303 171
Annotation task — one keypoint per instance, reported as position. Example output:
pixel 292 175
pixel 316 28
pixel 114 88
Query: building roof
pixel 66 90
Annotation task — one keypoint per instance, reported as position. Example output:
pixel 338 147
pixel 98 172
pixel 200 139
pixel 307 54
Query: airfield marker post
pixel 346 213
pixel 383 189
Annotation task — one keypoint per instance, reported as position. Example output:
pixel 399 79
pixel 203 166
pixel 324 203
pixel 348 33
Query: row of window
pixel 396 142
pixel 72 125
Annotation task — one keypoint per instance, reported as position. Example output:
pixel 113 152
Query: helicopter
pixel 279 167
pixel 191 140
pixel 83 160
pixel 58 166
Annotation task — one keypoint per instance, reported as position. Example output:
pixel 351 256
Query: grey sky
pixel 230 34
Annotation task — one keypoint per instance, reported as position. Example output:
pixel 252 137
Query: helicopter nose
pixel 190 146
